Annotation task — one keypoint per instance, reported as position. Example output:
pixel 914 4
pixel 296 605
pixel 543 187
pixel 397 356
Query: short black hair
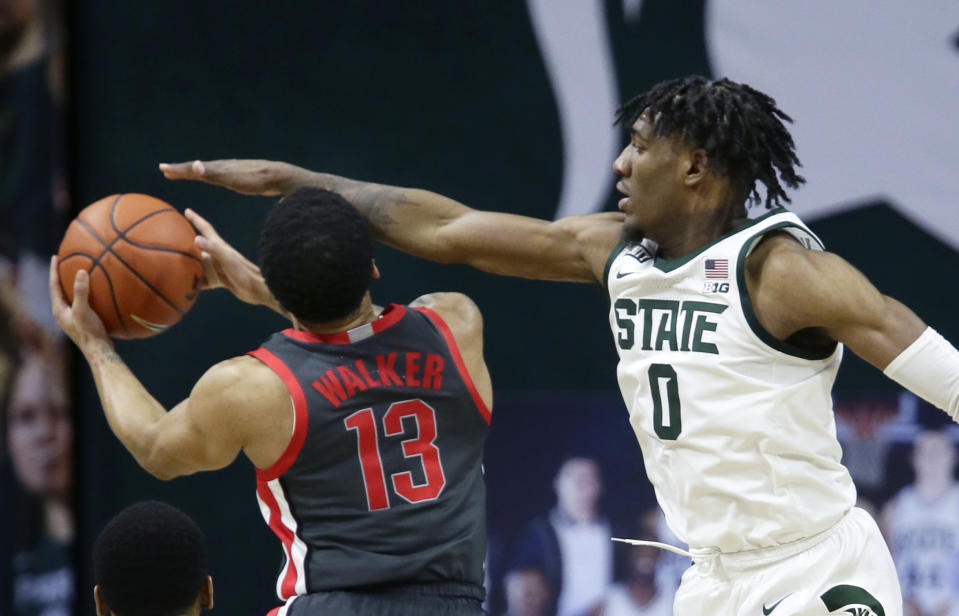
pixel 150 560
pixel 740 128
pixel 316 255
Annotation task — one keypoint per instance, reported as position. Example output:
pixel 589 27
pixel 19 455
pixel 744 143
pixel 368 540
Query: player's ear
pixel 102 608
pixel 206 594
pixel 376 270
pixel 696 166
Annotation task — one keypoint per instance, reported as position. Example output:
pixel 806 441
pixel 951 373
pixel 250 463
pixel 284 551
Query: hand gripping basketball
pixel 143 266
pixel 78 321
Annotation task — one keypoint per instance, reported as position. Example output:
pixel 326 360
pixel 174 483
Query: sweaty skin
pixel 671 194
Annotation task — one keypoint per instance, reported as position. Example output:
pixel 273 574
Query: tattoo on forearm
pixel 379 203
pixel 107 356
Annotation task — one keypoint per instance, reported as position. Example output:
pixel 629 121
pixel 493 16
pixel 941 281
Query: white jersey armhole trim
pixel 811 242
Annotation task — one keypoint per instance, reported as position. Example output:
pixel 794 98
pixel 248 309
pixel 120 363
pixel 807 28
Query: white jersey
pixel 924 537
pixel 736 427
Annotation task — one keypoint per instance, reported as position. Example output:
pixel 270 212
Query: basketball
pixel 144 267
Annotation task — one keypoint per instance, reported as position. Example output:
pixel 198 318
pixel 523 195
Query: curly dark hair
pixel 150 560
pixel 316 255
pixel 740 128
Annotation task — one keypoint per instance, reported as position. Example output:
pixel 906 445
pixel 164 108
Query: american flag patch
pixel 717 268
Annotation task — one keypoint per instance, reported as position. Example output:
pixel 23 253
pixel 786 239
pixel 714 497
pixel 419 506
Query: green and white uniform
pixel 736 427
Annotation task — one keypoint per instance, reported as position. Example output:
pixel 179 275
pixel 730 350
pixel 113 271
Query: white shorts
pixel 846 569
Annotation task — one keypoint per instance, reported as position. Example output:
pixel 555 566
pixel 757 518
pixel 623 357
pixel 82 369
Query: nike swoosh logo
pixel 622 275
pixel 153 327
pixel 768 610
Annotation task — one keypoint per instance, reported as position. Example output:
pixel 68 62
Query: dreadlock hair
pixel 150 560
pixel 740 128
pixel 316 255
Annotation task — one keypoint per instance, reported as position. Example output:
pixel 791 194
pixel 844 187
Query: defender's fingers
pixel 81 289
pixel 178 171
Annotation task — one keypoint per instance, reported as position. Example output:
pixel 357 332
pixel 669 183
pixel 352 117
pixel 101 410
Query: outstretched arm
pixel 794 289
pixel 435 227
pixel 204 432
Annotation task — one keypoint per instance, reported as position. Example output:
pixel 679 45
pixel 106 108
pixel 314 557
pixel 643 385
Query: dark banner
pixel 37 493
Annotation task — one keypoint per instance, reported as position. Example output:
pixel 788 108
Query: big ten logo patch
pixel 711 286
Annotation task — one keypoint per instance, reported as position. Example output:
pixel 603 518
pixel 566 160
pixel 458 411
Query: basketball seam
pixel 108 248
pixel 113 296
pixel 94 265
pixel 122 235
pixel 116 203
pixel 160 248
pixel 76 254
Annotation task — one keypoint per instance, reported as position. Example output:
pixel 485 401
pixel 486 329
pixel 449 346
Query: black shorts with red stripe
pixel 440 599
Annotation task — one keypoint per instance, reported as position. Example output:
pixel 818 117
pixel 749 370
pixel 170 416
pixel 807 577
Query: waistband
pixel 748 558
pixel 426 589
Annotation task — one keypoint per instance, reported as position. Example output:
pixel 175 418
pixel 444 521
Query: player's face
pixel 652 180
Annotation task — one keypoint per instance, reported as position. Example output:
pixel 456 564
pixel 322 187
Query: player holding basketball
pixel 729 332
pixel 372 479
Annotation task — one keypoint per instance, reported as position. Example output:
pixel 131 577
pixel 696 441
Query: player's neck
pixel 702 224
pixel 366 313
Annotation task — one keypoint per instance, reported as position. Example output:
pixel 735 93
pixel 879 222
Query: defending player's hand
pixel 78 320
pixel 249 177
pixel 225 267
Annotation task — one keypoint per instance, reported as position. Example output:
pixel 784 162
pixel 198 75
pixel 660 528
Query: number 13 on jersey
pixel 422 445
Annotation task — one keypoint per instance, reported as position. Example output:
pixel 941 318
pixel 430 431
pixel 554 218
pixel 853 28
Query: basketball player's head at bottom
pixel 316 256
pixel 150 560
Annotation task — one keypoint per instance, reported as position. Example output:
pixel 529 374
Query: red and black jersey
pixel 382 481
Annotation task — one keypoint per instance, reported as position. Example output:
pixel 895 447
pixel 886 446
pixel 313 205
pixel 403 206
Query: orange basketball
pixel 144 267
